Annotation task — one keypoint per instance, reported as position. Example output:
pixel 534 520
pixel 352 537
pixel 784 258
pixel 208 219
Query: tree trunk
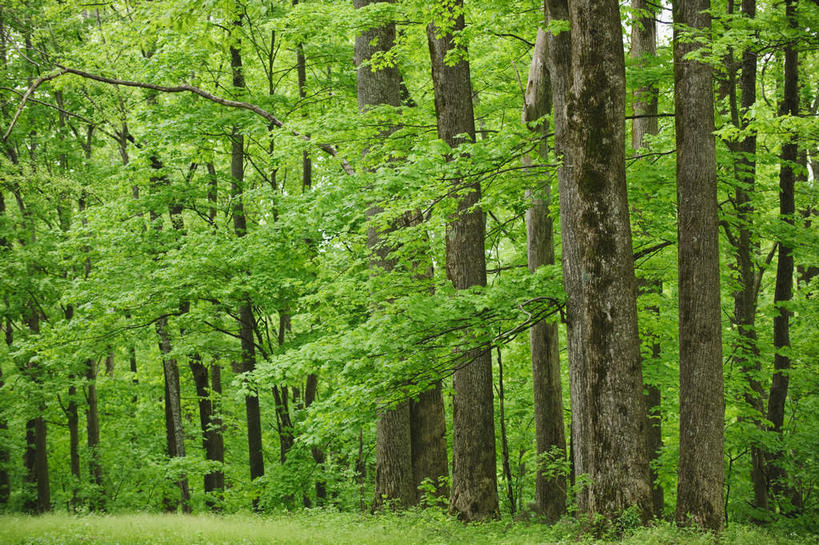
pixel 428 440
pixel 393 471
pixel 783 292
pixel 92 427
pixel 73 420
pixel 173 409
pixel 644 47
pixel 474 478
pixel 544 342
pixel 211 424
pixel 608 409
pixel 700 475
pixel 36 454
pixel 310 391
pixel 246 318
pixel 745 299
pixel 5 482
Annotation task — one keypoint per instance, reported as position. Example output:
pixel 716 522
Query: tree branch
pixel 184 88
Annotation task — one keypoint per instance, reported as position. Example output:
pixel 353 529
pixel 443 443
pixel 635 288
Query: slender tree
pixel 700 475
pixel 643 48
pixel 783 291
pixel 544 341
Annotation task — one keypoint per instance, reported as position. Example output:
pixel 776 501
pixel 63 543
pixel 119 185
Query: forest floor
pixel 321 527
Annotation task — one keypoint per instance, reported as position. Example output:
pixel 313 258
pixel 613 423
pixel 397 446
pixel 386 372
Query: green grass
pixel 321 527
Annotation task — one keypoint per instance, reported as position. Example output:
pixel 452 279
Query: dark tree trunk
pixel 474 478
pixel 644 47
pixel 310 392
pixel 246 318
pixel 173 409
pixel 783 291
pixel 73 419
pixel 745 299
pixel 702 405
pixel 92 427
pixel 608 409
pixel 5 482
pixel 544 342
pixel 36 454
pixel 211 425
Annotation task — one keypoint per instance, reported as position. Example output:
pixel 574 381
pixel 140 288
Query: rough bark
pixel 310 392
pixel 643 48
pixel 783 291
pixel 474 479
pixel 92 428
pixel 428 440
pixel 608 410
pixel 550 493
pixel 5 482
pixel 702 405
pixel 393 472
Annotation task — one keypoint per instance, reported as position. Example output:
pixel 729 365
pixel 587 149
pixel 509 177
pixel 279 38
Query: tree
pixel 474 479
pixel 608 410
pixel 544 341
pixel 702 405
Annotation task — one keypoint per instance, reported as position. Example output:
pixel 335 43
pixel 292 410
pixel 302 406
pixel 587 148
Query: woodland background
pixel 169 261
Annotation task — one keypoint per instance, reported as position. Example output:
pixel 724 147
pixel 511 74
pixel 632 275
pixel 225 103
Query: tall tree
pixel 700 474
pixel 544 341
pixel 643 49
pixel 608 410
pixel 784 270
pixel 474 478
pixel 246 317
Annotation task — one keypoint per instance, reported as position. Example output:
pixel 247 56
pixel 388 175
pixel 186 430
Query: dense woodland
pixel 494 257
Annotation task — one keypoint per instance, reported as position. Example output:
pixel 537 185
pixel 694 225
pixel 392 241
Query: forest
pixel 500 259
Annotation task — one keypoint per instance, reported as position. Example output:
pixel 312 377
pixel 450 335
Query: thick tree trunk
pixel 644 47
pixel 474 478
pixel 783 291
pixel 544 343
pixel 608 409
pixel 73 420
pixel 393 472
pixel 92 428
pixel 702 405
pixel 428 439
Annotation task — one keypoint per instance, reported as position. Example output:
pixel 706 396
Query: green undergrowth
pixel 322 527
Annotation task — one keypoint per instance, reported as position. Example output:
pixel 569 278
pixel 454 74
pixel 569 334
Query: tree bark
pixel 246 318
pixel 394 483
pixel 643 48
pixel 428 440
pixel 211 426
pixel 608 409
pixel 550 492
pixel 702 405
pixel 5 482
pixel 783 291
pixel 474 478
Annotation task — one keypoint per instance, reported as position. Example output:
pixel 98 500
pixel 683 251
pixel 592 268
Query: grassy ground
pixel 316 528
